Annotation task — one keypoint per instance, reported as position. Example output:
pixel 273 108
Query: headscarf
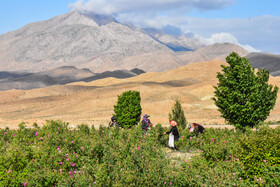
pixel 173 123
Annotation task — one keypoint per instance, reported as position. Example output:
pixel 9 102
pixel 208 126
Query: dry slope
pixel 92 103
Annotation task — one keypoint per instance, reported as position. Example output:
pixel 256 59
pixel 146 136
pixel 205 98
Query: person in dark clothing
pixel 173 134
pixel 199 128
pixel 146 123
pixel 114 122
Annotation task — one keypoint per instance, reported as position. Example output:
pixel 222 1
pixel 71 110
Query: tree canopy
pixel 128 109
pixel 242 95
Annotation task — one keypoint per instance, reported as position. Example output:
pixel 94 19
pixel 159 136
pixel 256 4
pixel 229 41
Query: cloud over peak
pixel 111 7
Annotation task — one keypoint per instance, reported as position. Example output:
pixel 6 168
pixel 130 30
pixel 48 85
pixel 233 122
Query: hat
pixel 114 118
pixel 146 116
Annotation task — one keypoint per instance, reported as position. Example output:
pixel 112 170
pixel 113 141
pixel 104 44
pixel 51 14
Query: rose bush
pixel 57 155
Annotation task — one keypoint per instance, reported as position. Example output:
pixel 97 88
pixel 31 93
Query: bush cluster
pixel 56 155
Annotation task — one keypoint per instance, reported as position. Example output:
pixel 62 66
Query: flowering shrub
pixel 260 152
pixel 56 155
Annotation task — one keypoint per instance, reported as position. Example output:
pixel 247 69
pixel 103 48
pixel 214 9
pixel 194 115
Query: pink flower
pixel 81 147
pixel 212 139
pixel 138 148
pixel 121 169
pixel 41 138
pixel 75 172
pixel 233 173
pixel 234 184
pixel 25 184
pixel 72 141
pixel 225 141
pixel 9 171
pixel 73 164
pixel 182 136
pixel 67 159
pixel 170 182
pixel 71 176
pixel 103 131
pixel 36 134
pixel 264 160
pixel 199 139
pixel 57 148
pixel 13 134
pixel 190 138
pixel 70 172
pixel 57 128
pixel 5 132
pixel 69 130
pixel 60 163
pixel 229 156
pixel 60 170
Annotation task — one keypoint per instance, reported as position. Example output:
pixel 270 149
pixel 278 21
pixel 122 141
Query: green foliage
pixel 128 109
pixel 259 151
pixel 177 114
pixel 244 97
pixel 55 155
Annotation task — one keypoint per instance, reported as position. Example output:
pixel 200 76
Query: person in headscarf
pixel 146 123
pixel 173 134
pixel 114 122
pixel 199 128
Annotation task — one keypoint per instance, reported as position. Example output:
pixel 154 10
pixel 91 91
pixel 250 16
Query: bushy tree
pixel 242 95
pixel 128 109
pixel 177 114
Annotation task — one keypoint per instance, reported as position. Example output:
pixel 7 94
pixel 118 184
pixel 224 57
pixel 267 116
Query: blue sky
pixel 253 24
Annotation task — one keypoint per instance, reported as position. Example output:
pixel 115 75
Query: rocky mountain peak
pixel 74 18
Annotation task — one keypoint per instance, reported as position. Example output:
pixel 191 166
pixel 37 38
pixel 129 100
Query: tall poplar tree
pixel 177 114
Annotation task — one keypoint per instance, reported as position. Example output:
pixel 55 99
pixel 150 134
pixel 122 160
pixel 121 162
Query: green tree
pixel 244 97
pixel 177 114
pixel 128 109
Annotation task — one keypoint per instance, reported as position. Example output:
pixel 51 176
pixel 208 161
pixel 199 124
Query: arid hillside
pixel 92 103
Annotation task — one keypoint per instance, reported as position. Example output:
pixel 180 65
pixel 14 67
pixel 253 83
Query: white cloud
pixel 109 7
pixel 260 32
pixel 225 38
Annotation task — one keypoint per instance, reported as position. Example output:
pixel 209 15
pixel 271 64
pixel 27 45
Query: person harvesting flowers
pixel 173 134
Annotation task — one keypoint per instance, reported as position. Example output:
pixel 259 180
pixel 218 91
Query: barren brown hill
pixel 216 51
pixel 92 103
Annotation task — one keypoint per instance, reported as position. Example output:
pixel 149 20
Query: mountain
pixel 93 102
pixel 120 74
pixel 216 51
pixel 70 40
pixel 100 44
pixel 58 76
pixel 270 62
pixel 176 42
